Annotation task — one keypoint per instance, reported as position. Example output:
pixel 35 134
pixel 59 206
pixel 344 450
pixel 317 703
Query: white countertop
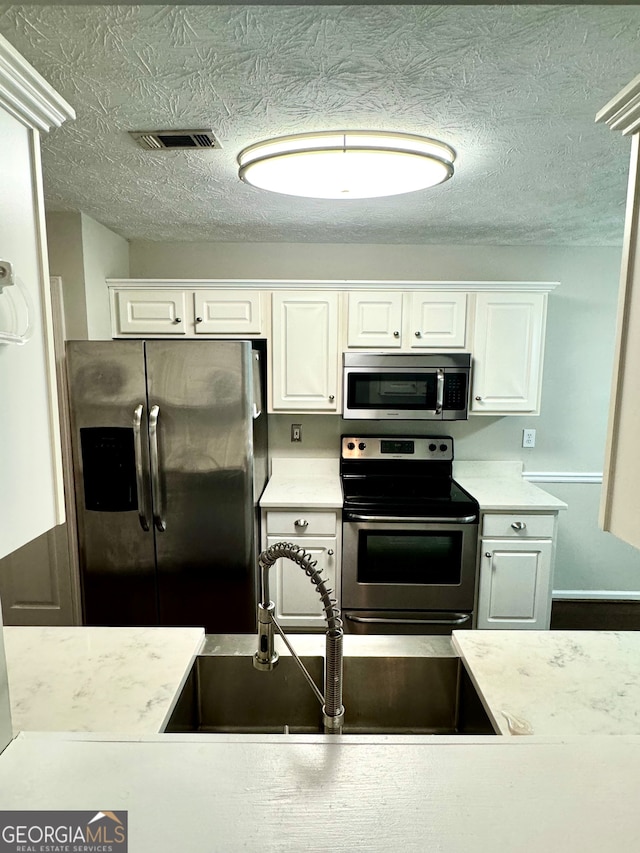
pixel 96 679
pixel 500 486
pixel 222 794
pixel 556 682
pixel 303 484
pixel 315 483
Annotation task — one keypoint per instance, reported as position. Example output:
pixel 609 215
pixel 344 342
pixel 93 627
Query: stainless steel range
pixel 409 534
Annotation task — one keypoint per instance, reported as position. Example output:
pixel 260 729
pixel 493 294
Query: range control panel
pixel 420 448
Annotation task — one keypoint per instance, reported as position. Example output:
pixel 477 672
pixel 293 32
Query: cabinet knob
pixel 198 319
pixel 519 525
pixel 478 398
pixel 331 398
pixel 330 552
pixel 418 334
pixel 301 522
pixel 488 554
pixel 178 320
pixel 396 334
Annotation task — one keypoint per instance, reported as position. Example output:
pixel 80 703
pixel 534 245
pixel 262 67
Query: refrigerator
pixel 169 446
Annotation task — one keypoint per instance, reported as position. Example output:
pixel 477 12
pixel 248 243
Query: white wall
pixel 85 253
pixel 105 255
pixel 577 377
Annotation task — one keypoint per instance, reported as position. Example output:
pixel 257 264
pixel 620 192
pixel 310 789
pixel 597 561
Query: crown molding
pixel 333 284
pixel 623 112
pixel 25 94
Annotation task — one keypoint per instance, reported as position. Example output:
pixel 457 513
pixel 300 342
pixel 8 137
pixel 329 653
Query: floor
pixel 589 615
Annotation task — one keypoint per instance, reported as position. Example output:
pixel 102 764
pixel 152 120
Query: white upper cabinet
pixel 375 320
pixel 165 311
pixel 228 312
pixel 501 324
pixel 305 359
pixel 507 348
pixel 151 312
pixel 406 320
pixel 31 482
pixel 437 320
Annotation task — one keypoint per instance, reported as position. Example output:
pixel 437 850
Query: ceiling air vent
pixel 182 140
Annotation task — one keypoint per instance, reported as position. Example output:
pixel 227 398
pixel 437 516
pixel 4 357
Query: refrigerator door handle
pixel 257 384
pixel 137 449
pixel 155 469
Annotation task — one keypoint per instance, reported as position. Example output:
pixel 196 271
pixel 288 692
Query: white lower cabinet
pixel 516 571
pixel 296 599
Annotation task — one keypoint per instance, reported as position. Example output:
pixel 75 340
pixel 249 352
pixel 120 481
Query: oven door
pixel 406 564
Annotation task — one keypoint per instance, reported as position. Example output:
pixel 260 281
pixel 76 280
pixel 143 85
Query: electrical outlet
pixel 528 438
pixel 296 432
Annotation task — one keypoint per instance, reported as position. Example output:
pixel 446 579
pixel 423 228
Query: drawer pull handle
pixel 396 334
pixel 301 522
pixel 331 398
pixel 519 525
pixel 177 320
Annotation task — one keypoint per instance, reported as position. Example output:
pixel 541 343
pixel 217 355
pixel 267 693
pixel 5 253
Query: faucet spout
pixel 266 656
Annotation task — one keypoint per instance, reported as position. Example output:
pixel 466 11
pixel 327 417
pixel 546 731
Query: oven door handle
pixel 465 519
pixel 379 620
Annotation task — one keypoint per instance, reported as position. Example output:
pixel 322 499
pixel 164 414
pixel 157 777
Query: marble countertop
pixel 291 793
pixel 304 484
pixel 500 486
pixel 556 682
pixel 96 679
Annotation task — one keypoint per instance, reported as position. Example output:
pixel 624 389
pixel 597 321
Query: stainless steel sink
pixel 382 695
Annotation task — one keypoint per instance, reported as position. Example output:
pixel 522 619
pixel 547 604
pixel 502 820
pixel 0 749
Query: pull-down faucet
pixel 266 657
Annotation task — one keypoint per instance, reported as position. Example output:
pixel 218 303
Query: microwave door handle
pixel 439 392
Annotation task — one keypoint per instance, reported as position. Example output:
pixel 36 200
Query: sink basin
pixel 381 695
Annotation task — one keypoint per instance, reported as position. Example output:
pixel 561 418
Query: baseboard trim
pixel 562 476
pixel 595 595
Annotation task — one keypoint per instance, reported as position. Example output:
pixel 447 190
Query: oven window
pixel 409 558
pixel 410 391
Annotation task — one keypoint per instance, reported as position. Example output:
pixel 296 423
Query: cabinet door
pixel 304 352
pixel 437 320
pixel 375 319
pixel 515 582
pixel 297 602
pixel 227 312
pixel 507 352
pixel 151 312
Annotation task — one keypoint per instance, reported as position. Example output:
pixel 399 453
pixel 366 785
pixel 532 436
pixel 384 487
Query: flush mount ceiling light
pixel 346 164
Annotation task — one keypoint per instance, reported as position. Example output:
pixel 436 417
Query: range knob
pixel 432 447
pixel 443 447
pixel 362 445
pixel 351 445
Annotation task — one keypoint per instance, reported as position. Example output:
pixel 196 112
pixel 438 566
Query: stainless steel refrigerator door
pixel 111 468
pixel 201 438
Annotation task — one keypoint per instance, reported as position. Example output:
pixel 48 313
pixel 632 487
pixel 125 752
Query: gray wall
pixel 577 377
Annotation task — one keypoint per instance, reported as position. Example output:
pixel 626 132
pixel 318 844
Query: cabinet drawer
pixel 317 523
pixel 535 526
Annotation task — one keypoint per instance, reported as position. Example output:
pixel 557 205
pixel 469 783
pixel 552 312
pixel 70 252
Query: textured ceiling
pixel 514 89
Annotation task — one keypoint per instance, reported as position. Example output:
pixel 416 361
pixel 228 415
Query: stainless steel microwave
pixel 390 386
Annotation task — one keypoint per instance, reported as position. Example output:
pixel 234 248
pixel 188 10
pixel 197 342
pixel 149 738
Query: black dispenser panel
pixel 109 469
